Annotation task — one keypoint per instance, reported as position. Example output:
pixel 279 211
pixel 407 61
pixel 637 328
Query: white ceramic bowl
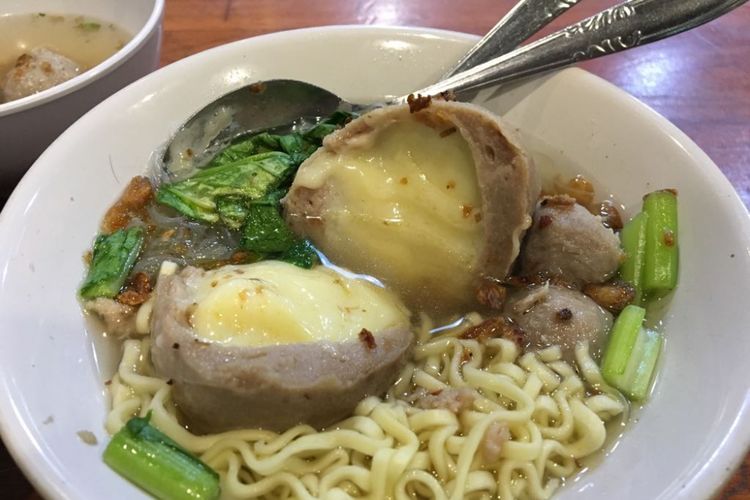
pixel 29 125
pixel 683 444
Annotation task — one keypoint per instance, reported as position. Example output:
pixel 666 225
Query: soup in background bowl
pixel 29 124
pixel 41 50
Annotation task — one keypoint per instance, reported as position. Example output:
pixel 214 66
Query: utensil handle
pixel 624 26
pixel 525 19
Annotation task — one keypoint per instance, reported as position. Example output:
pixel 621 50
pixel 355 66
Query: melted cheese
pixel 273 303
pixel 406 206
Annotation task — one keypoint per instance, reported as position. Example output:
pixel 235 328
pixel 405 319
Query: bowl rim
pixel 707 481
pixel 89 76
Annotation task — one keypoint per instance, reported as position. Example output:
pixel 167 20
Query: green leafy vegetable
pixel 244 148
pixel 147 457
pixel 272 198
pixel 232 210
pixel 298 145
pixel 294 145
pixel 325 127
pixel 301 254
pixel 249 169
pixel 265 231
pixel 631 354
pixel 113 258
pixel 633 238
pixel 242 186
pixel 250 178
pixel 661 254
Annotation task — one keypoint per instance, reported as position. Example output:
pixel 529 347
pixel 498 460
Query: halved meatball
pixel 567 242
pixel 37 70
pixel 428 201
pixel 270 345
pixel 554 315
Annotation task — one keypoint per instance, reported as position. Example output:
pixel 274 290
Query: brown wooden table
pixel 699 80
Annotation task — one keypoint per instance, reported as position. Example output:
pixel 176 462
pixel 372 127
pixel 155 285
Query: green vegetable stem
pixel 113 258
pixel 650 241
pixel 150 459
pixel 631 354
pixel 660 261
pixel 633 238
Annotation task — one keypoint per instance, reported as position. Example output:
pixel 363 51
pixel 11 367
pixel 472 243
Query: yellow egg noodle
pixel 555 414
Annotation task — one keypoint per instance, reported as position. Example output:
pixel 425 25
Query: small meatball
pixel 35 71
pixel 554 315
pixel 119 319
pixel 567 242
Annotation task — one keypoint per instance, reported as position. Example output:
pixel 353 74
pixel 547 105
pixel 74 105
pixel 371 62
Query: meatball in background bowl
pixel 29 124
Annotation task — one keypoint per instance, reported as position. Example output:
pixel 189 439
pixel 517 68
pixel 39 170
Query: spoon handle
pixel 525 19
pixel 624 26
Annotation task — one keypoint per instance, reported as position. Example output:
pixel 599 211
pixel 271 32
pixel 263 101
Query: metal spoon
pixel 624 26
pixel 525 19
pixel 275 103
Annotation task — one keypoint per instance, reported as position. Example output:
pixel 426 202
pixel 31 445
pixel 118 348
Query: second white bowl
pixel 29 125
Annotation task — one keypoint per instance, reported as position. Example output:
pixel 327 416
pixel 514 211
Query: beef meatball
pixel 271 345
pixel 37 70
pixel 555 315
pixel 429 201
pixel 566 241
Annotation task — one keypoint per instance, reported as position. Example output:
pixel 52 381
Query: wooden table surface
pixel 699 80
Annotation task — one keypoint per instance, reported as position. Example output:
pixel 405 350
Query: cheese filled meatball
pixel 271 345
pixel 428 200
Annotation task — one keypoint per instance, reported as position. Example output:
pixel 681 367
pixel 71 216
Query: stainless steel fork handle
pixel 624 26
pixel 525 19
